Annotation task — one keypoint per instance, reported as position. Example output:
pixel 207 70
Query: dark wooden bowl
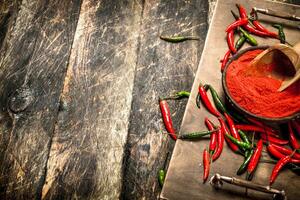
pixel 235 105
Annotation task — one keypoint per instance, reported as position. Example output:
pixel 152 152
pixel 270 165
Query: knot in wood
pixel 20 99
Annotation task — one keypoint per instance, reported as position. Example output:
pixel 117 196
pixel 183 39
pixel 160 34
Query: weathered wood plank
pixel 33 63
pixel 162 68
pixel 86 154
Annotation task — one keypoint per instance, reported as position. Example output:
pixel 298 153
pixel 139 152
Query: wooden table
pixel 79 83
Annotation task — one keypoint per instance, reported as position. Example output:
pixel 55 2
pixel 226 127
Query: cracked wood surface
pixel 86 154
pixel 162 68
pixel 35 48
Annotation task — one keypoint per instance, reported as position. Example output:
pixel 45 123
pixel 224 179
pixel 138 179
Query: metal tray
pixel 184 176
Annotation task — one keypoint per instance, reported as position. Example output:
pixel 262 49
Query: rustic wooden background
pixel 79 84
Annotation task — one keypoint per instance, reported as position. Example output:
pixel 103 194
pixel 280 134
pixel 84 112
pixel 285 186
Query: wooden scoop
pixel 288 57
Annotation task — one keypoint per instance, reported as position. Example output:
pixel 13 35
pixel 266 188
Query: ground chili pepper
pixel 205 165
pixel 256 92
pixel 280 164
pixel 213 136
pixel 206 101
pixel 254 159
pixel 165 111
pixel 292 137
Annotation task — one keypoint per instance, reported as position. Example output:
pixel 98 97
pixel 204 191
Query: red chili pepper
pixel 242 11
pixel 280 164
pixel 286 151
pixel 207 102
pixel 277 154
pixel 220 145
pixel 232 127
pixel 213 136
pixel 260 27
pixel 165 111
pixel 252 30
pixel 225 60
pixel 230 41
pixel 225 131
pixel 292 137
pixel 234 25
pixel 262 125
pixel 205 165
pixel 246 127
pixel 254 159
pixel 273 140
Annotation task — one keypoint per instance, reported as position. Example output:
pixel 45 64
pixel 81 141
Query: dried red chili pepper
pixel 232 127
pixel 277 154
pixel 286 151
pixel 205 165
pixel 206 101
pixel 280 164
pixel 274 140
pixel 254 160
pixel 234 25
pixel 165 111
pixel 225 131
pixel 220 142
pixel 230 41
pixel 213 136
pixel 225 60
pixel 292 137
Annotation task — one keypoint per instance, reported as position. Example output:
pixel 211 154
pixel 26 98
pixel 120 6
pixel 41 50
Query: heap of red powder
pixel 257 93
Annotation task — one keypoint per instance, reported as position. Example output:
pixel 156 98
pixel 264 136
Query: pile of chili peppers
pixel 233 128
pixel 246 25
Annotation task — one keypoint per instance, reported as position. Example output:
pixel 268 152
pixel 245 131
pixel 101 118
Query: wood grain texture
pixel 33 61
pixel 85 161
pixel 162 68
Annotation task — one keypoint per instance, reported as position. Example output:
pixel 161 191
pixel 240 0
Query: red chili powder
pixel 257 93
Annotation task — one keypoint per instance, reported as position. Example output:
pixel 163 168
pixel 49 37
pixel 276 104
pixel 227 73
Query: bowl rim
pixel 235 104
